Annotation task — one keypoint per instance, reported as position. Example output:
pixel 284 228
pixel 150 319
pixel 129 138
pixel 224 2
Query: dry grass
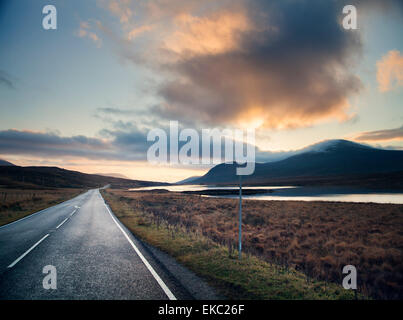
pixel 16 203
pixel 249 278
pixel 317 238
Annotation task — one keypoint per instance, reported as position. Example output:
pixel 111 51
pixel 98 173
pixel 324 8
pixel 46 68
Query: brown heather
pixel 17 203
pixel 317 238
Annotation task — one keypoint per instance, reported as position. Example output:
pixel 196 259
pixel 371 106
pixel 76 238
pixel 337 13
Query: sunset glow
pixel 113 70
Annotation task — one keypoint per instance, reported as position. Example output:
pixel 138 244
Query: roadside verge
pixel 249 278
pixel 184 281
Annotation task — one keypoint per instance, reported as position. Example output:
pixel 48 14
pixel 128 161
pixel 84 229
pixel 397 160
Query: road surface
pixel 94 255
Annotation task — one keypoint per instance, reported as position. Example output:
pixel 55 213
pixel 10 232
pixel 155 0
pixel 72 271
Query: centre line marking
pixel 147 264
pixel 62 223
pixel 28 251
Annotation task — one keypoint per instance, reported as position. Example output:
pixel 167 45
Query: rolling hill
pixel 114 175
pixel 333 162
pixel 5 163
pixel 53 177
pixel 188 180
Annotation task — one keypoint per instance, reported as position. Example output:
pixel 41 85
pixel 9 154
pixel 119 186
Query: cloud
pixel 135 32
pixel 388 147
pixel 287 63
pixel 122 146
pixel 215 34
pixel 125 142
pixel 384 5
pixel 50 144
pixel 121 9
pixel 283 64
pixel 117 111
pixel 84 31
pixel 6 80
pixel 381 135
pixel 390 71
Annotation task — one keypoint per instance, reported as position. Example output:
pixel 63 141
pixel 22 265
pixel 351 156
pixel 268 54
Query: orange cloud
pixel 121 9
pixel 278 64
pixel 390 71
pixel 214 34
pixel 381 135
pixel 85 31
pixel 139 30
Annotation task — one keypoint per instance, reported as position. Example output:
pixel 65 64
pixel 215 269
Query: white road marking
pixel 147 264
pixel 39 212
pixel 62 223
pixel 26 252
pixel 73 212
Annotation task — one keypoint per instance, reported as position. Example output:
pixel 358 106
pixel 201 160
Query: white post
pixel 240 218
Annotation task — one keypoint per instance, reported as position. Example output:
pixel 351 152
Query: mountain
pixel 331 161
pixel 114 175
pixel 53 177
pixel 6 163
pixel 188 180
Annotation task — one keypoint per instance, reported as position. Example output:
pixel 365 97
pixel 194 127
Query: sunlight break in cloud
pixel 390 71
pixel 276 69
pixel 280 64
pixel 215 34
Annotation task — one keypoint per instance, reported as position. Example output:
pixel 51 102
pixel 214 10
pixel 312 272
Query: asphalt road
pixel 94 255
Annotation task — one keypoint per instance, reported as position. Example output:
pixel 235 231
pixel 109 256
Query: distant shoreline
pixel 289 193
pixel 228 192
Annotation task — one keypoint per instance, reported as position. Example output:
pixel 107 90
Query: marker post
pixel 240 218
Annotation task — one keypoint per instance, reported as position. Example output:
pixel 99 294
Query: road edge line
pixel 162 284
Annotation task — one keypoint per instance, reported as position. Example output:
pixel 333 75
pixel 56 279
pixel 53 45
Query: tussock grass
pixel 316 238
pixel 17 203
pixel 251 278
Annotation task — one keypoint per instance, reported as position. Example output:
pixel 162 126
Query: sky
pixel 84 96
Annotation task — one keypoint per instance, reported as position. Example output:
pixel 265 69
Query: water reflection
pixel 300 193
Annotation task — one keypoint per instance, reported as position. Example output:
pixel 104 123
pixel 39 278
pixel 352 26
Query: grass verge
pixel 18 203
pixel 249 278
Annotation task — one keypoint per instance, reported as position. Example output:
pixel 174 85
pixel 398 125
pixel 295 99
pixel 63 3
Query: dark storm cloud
pixel 49 144
pixel 292 69
pixel 288 63
pixel 122 146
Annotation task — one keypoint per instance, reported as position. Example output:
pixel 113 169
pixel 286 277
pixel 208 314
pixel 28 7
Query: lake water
pixel 300 193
